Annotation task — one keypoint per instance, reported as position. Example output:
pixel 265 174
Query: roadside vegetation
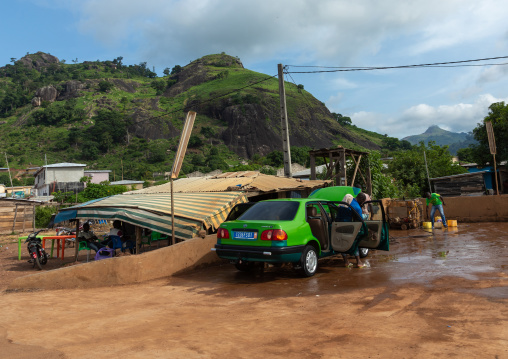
pixel 127 119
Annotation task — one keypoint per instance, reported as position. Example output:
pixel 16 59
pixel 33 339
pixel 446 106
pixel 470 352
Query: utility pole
pixel 284 124
pixel 9 170
pixel 427 168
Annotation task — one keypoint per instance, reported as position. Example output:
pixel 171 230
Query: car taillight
pixel 222 233
pixel 274 235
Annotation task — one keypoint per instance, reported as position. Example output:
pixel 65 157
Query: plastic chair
pixel 83 245
pixel 116 243
pixel 104 253
pixel 156 237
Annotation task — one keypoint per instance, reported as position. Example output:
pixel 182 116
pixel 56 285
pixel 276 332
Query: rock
pixel 71 90
pixel 36 101
pixel 38 60
pixel 47 93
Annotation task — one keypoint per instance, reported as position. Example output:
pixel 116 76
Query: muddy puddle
pixel 468 252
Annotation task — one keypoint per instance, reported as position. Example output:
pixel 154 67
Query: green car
pixel 300 231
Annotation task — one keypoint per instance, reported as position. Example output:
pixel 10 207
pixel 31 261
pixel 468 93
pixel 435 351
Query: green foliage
pixel 176 69
pixel 91 191
pixel 195 141
pixel 275 159
pixel 498 115
pixel 159 86
pixel 43 215
pixel 343 120
pixel 300 155
pixel 105 86
pixel 466 155
pixel 57 113
pixel 408 167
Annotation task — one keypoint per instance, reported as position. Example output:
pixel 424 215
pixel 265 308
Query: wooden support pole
pixel 369 182
pixel 172 241
pixel 15 215
pixel 138 238
pixel 343 169
pixel 312 167
pixel 76 243
pixel 357 164
pixel 33 218
pixel 495 174
pixel 24 215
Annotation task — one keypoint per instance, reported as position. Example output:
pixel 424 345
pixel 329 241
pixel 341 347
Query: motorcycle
pixel 38 256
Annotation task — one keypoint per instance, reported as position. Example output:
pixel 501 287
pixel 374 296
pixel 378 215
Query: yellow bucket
pixel 427 225
pixel 438 225
pixel 452 223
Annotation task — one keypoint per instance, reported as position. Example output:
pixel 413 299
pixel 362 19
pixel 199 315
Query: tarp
pixel 193 211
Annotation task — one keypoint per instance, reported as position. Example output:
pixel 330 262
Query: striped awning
pixel 193 211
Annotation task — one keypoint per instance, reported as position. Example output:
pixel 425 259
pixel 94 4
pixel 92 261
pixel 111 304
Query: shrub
pixel 43 215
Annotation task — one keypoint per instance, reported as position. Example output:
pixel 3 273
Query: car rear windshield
pixel 271 211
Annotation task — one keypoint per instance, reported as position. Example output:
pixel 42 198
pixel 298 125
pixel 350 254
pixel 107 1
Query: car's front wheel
pixel 364 252
pixel 309 261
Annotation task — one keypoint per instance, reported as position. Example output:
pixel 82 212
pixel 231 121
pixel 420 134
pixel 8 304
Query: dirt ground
pixel 435 294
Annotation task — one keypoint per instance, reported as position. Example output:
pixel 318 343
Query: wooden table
pixel 52 238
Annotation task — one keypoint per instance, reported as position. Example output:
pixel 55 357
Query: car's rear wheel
pixel 309 261
pixel 364 252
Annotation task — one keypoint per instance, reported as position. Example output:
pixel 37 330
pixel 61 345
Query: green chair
pixel 156 237
pixel 83 245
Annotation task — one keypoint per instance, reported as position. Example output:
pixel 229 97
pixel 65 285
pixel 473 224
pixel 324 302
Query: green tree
pixel 275 159
pixel 408 167
pixel 343 120
pixel 105 86
pixel 176 69
pixel 498 115
pixel 159 86
pixel 300 155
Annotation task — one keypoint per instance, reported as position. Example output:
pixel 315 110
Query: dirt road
pixel 433 295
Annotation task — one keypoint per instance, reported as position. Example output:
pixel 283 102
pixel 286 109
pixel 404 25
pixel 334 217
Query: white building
pixel 59 177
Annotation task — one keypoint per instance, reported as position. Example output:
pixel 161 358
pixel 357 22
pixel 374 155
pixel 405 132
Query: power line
pixel 462 63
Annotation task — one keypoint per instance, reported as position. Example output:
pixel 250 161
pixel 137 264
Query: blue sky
pixel 263 33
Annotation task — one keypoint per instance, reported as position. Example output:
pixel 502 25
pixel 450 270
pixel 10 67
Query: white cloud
pixel 331 31
pixel 461 117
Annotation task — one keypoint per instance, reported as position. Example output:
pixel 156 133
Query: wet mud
pixel 417 256
pixel 441 294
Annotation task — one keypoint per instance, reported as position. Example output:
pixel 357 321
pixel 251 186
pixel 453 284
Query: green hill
pixel 125 118
pixel 442 137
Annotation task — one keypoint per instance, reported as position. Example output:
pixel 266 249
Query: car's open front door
pixel 346 224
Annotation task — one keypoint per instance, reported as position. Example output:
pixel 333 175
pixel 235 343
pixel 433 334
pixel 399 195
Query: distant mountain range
pixel 454 140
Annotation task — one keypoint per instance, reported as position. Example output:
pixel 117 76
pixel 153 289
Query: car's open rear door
pixel 378 231
pixel 345 226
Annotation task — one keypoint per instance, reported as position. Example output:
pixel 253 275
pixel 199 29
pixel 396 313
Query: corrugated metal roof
pixel 126 182
pixel 65 164
pixel 255 181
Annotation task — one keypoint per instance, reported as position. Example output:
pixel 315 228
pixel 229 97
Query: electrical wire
pixel 461 63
